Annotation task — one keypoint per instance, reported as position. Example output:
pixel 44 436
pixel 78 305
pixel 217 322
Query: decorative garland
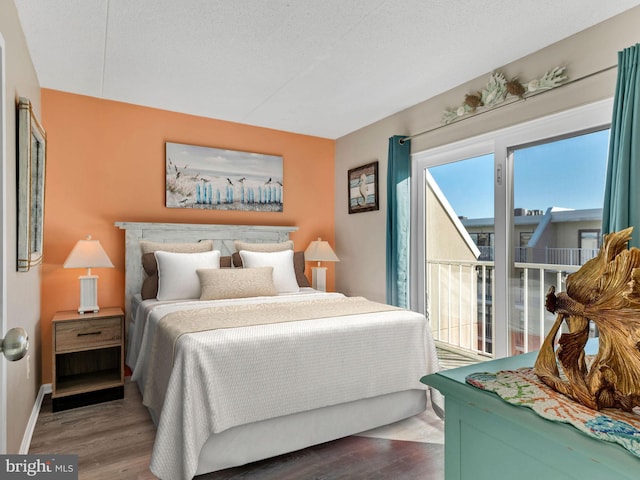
pixel 498 89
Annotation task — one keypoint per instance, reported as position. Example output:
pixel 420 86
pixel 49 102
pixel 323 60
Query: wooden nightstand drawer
pixel 86 334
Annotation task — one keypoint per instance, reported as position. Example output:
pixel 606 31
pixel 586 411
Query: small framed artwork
pixel 363 188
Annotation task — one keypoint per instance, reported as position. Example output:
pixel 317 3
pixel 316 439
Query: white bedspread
pixel 229 377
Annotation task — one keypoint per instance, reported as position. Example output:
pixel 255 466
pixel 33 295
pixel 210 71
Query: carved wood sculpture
pixel 605 290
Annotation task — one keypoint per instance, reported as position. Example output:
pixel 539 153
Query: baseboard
pixel 33 419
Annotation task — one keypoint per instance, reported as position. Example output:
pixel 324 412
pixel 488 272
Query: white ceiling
pixel 318 67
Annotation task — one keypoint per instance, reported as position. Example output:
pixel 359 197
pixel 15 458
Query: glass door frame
pixel 501 143
pixel 3 244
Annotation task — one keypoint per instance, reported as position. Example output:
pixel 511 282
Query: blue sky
pixel 568 173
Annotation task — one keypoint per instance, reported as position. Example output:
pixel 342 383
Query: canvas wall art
pixel 219 179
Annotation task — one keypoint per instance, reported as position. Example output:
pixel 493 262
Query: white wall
pixel 360 238
pixel 23 289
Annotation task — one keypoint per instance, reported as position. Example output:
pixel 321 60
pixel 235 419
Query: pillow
pixel 151 266
pixel 236 283
pixel 177 276
pixel 149 287
pixel 263 247
pixel 147 246
pixel 284 276
pixel 150 284
pixel 299 266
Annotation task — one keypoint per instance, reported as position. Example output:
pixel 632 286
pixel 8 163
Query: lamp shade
pixel 88 254
pixel 320 251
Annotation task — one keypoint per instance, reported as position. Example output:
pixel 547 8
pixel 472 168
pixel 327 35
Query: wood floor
pixel 348 458
pixel 114 440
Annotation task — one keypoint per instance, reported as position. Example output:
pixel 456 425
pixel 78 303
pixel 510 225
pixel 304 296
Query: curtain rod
pixel 507 103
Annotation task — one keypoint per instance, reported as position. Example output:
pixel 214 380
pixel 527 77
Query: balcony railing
pixel 460 303
pixel 549 255
pixel 554 256
pixel 570 256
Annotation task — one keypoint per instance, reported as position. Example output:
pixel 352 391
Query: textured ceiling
pixel 318 67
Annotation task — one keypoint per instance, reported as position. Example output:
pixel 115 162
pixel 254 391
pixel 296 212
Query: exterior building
pixel 558 236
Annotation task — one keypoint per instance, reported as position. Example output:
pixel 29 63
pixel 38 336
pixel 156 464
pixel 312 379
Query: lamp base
pixel 93 309
pixel 88 294
pixel 319 278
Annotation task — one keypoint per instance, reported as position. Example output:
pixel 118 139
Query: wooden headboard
pixel 223 237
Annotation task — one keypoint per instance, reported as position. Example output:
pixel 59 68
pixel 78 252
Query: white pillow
pixel 284 275
pixel 177 276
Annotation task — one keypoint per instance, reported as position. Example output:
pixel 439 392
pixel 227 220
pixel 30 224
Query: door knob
pixel 15 344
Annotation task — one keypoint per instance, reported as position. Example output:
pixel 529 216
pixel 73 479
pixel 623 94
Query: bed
pixel 263 374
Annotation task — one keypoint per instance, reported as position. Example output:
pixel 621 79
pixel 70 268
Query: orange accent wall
pixel 106 163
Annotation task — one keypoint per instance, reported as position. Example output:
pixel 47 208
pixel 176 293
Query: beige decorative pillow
pixel 148 246
pixel 263 247
pixel 218 284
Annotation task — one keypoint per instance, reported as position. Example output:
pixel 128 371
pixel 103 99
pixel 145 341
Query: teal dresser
pixel 487 438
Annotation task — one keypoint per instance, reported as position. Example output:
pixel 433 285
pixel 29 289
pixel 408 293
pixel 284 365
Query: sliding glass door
pixel 498 219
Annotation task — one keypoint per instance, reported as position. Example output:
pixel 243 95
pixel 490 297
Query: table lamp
pixel 88 254
pixel 320 251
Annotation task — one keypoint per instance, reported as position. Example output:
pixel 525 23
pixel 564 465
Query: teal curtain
pixel 398 221
pixel 622 196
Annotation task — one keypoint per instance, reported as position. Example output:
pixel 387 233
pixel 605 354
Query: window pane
pixel 459 252
pixel 558 194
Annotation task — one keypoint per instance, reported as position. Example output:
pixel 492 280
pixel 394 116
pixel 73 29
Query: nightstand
pixel 88 357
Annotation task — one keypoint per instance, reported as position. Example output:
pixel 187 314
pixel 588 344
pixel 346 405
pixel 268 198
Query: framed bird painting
pixel 218 179
pixel 363 188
